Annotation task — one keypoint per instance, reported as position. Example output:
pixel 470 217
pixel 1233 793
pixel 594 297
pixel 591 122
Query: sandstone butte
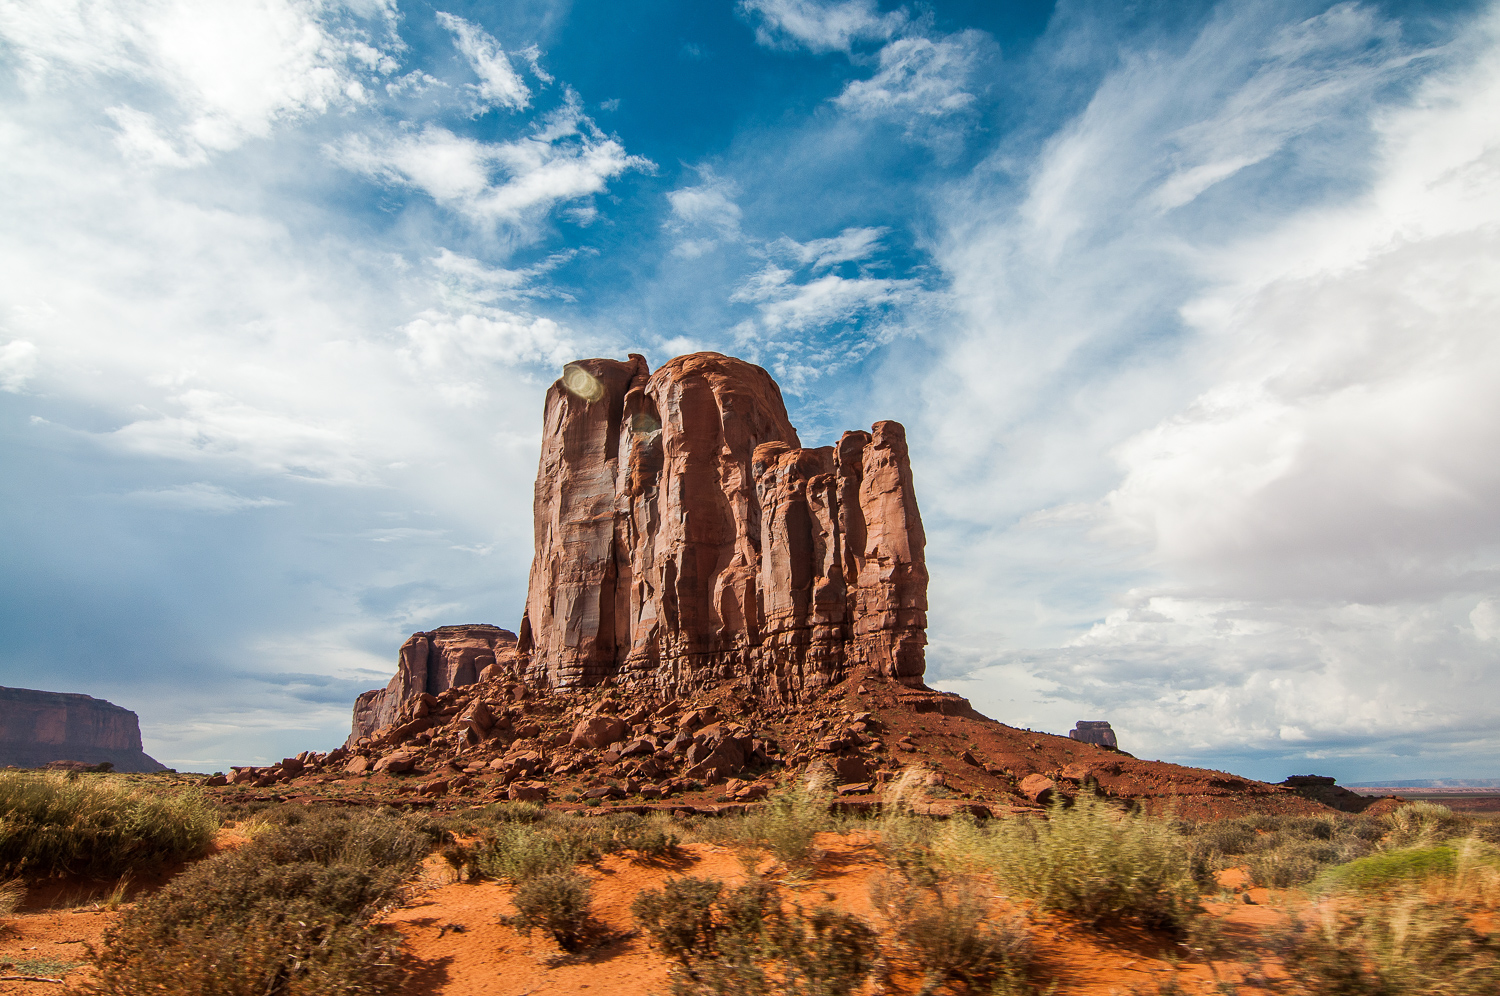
pixel 37 728
pixel 713 607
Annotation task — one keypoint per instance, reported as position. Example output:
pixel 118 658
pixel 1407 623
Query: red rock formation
pixel 683 536
pixel 433 662
pixel 38 727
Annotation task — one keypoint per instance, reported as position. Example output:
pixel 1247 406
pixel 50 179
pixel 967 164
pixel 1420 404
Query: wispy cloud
pixel 200 497
pixel 565 159
pixel 820 26
pixel 499 84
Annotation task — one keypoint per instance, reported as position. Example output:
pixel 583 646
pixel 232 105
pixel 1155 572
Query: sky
pixel 1190 311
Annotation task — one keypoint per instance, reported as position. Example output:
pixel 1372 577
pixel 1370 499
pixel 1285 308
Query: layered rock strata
pixel 38 727
pixel 684 536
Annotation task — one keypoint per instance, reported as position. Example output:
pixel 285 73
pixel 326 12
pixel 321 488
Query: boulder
pixel 357 765
pixel 597 731
pixel 398 763
pixel 528 791
pixel 850 769
pixel 1038 788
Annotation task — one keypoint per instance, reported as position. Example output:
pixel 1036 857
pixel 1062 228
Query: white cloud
pixel 919 78
pixel 200 497
pixel 819 302
pixel 18 360
pixel 850 245
pixel 709 203
pixel 499 84
pixel 216 75
pixel 510 184
pixel 1269 299
pixel 820 26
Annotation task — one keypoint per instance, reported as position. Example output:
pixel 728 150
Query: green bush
pixel 1390 868
pixel 1412 944
pixel 288 914
pixel 557 903
pixel 96 825
pixel 1281 851
pixel 1089 860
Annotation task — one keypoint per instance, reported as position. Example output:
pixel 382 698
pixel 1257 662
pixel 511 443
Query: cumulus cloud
pixel 820 26
pixel 499 84
pixel 565 158
pixel 214 77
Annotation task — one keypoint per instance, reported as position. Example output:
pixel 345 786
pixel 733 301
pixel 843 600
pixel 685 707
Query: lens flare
pixel 581 383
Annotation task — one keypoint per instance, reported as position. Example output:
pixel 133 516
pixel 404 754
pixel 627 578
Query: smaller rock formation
pixel 432 663
pixel 1094 731
pixel 38 727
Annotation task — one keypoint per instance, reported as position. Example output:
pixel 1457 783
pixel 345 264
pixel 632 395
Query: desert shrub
pixel 12 894
pixel 1088 860
pixel 1424 823
pixel 905 838
pixel 1281 851
pixel 288 914
pixel 1411 944
pixel 790 820
pixel 651 837
pixel 556 903
pixel 519 851
pixel 742 941
pixel 680 916
pixel 949 935
pixel 51 824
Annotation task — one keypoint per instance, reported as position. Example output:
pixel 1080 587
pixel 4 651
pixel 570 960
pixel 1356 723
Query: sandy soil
pixel 462 948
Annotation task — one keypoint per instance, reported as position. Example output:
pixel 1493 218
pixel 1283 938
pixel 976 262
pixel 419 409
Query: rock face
pixel 1094 731
pixel 38 727
pixel 684 536
pixel 433 663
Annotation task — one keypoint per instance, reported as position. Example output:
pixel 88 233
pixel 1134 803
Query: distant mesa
pixel 685 537
pixel 1094 731
pixel 37 728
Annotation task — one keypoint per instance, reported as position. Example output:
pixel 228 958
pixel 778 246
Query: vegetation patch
pixel 743 941
pixel 96 825
pixel 1410 944
pixel 288 914
pixel 556 903
pixel 1089 860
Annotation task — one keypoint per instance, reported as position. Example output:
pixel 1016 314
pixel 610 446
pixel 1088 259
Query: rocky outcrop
pixel 39 727
pixel 684 536
pixel 1094 731
pixel 434 662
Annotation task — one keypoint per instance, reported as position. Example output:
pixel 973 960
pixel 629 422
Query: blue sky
pixel 1189 310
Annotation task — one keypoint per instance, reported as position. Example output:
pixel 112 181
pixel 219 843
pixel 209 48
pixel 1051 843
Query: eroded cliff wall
pixel 684 536
pixel 37 727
